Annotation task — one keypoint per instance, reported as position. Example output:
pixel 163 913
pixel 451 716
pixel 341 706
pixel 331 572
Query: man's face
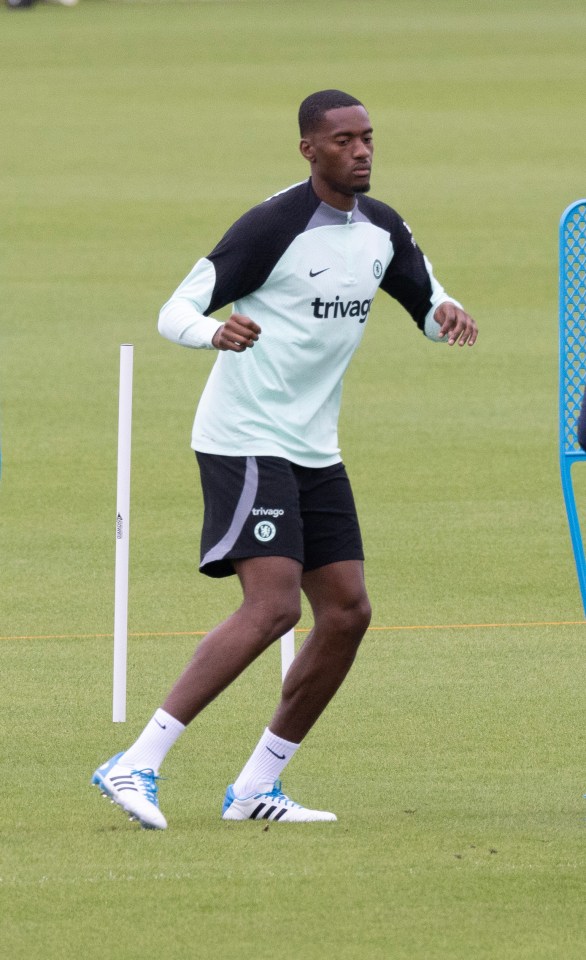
pixel 340 153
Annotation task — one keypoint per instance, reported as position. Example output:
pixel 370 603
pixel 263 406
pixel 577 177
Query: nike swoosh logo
pixel 316 273
pixel 163 726
pixel 277 755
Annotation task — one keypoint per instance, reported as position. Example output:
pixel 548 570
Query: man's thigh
pixel 331 531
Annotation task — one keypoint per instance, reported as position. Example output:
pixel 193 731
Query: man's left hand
pixel 456 324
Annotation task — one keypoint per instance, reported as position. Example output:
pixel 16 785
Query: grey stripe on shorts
pixel 242 511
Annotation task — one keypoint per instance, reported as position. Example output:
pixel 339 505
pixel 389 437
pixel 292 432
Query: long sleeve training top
pixel 307 273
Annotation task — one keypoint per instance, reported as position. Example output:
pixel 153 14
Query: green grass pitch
pixel 133 134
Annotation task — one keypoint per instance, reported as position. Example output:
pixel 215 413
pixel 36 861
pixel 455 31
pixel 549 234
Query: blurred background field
pixel 133 135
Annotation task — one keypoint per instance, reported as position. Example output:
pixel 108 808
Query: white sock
pixel 157 738
pixel 269 758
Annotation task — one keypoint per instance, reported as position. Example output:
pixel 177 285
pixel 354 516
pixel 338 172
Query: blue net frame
pixel 572 329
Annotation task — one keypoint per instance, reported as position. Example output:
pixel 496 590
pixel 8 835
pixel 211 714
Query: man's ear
pixel 307 150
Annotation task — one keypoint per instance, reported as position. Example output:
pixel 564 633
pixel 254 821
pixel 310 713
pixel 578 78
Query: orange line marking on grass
pixel 391 629
pixel 480 626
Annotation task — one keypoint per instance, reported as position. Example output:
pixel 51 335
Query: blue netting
pixel 572 323
pixel 572 365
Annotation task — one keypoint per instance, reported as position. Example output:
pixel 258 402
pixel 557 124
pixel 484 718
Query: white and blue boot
pixel 273 805
pixel 133 790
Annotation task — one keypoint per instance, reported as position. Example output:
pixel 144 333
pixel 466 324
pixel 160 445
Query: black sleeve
pixel 407 277
pixel 248 252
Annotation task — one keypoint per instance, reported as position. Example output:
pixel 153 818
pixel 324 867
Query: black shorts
pixel 269 507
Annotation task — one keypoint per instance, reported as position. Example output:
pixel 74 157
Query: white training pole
pixel 287 652
pixel 122 534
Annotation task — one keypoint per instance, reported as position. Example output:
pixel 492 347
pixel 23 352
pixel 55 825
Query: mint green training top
pixel 307 274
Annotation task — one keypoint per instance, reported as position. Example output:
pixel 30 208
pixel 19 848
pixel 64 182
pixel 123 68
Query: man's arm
pixel 410 280
pixel 237 265
pixel 183 319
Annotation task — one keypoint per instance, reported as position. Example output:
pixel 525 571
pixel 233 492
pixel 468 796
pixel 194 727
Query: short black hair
pixel 311 111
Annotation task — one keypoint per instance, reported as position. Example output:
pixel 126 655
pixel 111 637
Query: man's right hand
pixel 236 334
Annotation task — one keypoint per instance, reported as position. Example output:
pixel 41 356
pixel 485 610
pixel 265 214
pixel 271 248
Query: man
pixel 301 269
pixel 581 426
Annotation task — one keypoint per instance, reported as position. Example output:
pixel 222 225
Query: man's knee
pixel 272 594
pixel 361 615
pixel 287 617
pixel 350 618
pixel 272 615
